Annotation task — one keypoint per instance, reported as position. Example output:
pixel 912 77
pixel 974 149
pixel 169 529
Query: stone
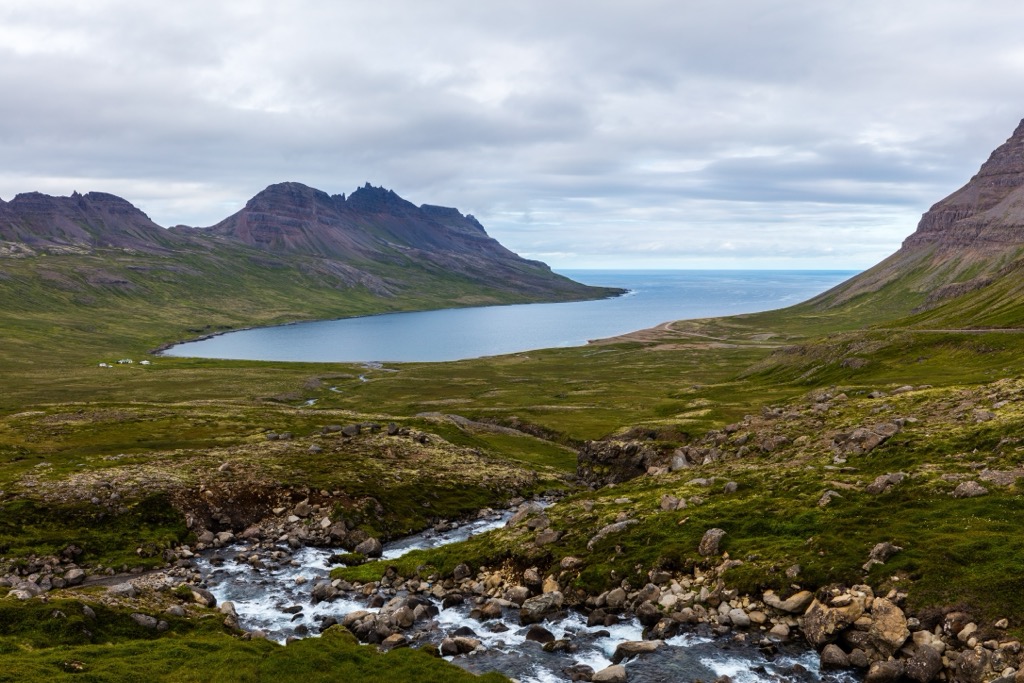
pixel 146 621
pixel 371 547
pixel 461 572
pixel 828 497
pixel 888 630
pixel 969 489
pixel 632 648
pixel 614 528
pixel 883 551
pixel 969 666
pixel 821 623
pixel 833 657
pixel 350 430
pixel 74 576
pixel 615 673
pixel 203 597
pixel 794 604
pixel 924 665
pixel 739 618
pixel 884 482
pixel 536 609
pixel 615 599
pixel 395 640
pixel 709 543
pixel 539 634
pixel 884 672
pixel 547 537
pixel 779 632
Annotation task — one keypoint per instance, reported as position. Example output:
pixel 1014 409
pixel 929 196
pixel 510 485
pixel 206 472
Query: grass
pixel 56 641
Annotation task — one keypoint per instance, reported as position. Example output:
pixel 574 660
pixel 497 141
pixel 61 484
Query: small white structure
pixel 125 361
pixel 144 362
pixel 104 365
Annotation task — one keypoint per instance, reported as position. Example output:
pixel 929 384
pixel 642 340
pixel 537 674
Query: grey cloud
pixel 653 130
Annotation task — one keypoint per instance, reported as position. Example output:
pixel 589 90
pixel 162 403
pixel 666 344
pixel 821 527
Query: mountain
pixel 375 229
pixel 372 244
pixel 100 269
pixel 90 221
pixel 967 243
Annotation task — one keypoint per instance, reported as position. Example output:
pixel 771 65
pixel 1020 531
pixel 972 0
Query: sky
pixel 639 134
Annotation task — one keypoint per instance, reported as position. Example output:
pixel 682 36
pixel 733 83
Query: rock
pixel 669 502
pixel 146 621
pixel 615 599
pixel 969 489
pixel 884 672
pixel 615 528
pixel 709 543
pixel 550 585
pixel 395 640
pixel 779 632
pixel 821 623
pixel 883 551
pixel 350 430
pixel 74 576
pixel 828 497
pixel 730 487
pixel 539 634
pixel 461 572
pixel 302 509
pixel 833 657
pixel 536 609
pixel 884 482
pixel 569 562
pixel 124 590
pixel 547 537
pixel 632 648
pixel 323 591
pixel 517 594
pixel 613 674
pixel 392 429
pixel 794 604
pixel 863 439
pixel 739 618
pixel 613 462
pixel 924 665
pixel 579 672
pixel 525 511
pixel 970 666
pixel 371 547
pixel 203 597
pixel 888 630
pixel 1002 624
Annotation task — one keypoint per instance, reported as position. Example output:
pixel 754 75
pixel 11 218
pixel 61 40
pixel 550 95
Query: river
pixel 277 600
pixel 452 334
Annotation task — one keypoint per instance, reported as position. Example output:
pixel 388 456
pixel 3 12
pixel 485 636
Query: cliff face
pixel 987 212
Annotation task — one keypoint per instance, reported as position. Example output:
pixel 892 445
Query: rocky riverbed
pixel 521 625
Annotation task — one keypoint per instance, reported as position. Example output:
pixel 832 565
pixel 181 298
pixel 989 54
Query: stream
pixel 276 599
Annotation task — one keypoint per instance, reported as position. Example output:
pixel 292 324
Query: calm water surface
pixel 453 334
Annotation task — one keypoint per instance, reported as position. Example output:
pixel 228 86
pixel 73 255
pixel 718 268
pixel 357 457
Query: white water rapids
pixel 276 600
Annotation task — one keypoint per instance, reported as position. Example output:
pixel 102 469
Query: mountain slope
pixel 967 243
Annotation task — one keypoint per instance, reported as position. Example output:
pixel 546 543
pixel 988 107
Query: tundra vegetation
pixel 864 448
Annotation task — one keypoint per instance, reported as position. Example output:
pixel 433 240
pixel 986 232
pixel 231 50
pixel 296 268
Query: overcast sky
pixel 647 133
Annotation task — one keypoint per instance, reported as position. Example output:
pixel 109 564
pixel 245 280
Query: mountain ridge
pixel 372 239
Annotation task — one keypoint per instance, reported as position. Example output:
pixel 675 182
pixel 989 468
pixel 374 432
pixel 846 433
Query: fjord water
pixel 654 297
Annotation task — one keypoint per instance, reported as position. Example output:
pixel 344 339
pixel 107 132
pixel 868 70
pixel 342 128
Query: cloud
pixel 648 133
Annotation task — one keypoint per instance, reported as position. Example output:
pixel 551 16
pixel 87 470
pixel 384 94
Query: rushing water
pixel 277 601
pixel 451 334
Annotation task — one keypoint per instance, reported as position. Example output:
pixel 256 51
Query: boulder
pixel 924 665
pixel 74 576
pixel 539 634
pixel 884 672
pixel 615 673
pixel 203 597
pixel 146 621
pixel 709 543
pixel 536 609
pixel 615 528
pixel 632 648
pixel 833 657
pixel 794 604
pixel 821 624
pixel 884 482
pixel 371 547
pixel 969 489
pixel 888 630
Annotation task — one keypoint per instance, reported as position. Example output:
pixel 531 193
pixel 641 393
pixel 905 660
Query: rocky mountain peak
pixel 987 212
